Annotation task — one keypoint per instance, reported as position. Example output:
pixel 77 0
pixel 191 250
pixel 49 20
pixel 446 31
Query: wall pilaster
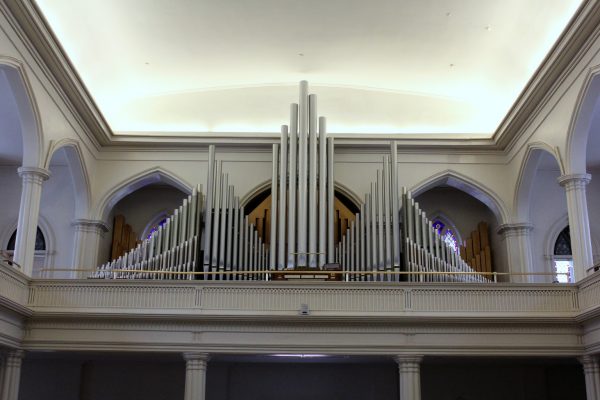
pixel 518 244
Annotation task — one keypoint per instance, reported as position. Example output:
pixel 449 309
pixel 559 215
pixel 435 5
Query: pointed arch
pixel 78 170
pixel 266 185
pixel 467 185
pixel 586 112
pixel 138 181
pixel 29 116
pixel 438 214
pixel 527 172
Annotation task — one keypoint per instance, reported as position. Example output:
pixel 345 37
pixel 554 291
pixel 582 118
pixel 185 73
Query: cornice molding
pixel 583 27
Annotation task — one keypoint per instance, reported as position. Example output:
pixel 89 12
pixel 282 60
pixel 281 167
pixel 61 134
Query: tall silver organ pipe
pixel 292 185
pixel 281 255
pixel 302 175
pixel 273 221
pixel 310 170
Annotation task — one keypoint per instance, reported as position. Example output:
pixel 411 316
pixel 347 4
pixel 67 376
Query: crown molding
pixel 564 55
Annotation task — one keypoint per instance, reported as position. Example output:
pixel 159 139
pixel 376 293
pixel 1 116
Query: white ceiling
pixel 452 67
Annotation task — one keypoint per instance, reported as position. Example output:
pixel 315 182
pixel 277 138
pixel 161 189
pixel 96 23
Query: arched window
pixel 41 255
pixel 155 227
pixel 448 233
pixel 40 241
pixel 563 257
pixel 157 221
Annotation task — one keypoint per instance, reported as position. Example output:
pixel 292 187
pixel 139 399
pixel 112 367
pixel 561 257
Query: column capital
pixel 514 229
pixel 196 360
pixel 90 225
pixel 14 357
pixel 590 363
pixel 408 359
pixel 39 174
pixel 574 180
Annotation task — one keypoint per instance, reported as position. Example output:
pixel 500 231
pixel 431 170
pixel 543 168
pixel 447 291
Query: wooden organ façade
pixel 211 236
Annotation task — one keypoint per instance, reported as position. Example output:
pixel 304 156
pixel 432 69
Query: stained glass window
pixel 155 228
pixel 562 247
pixel 40 241
pixel 563 259
pixel 447 234
pixel 451 240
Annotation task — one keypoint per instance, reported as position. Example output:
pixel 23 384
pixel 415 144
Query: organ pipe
pixel 211 234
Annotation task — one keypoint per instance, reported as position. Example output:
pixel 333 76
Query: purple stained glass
pixel 161 223
pixel 438 226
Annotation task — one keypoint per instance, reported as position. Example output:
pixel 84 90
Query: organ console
pixel 210 236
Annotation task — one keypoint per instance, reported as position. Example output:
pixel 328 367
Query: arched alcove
pixel 465 203
pixel 130 185
pixel 469 186
pixel 586 116
pixel 17 90
pixel 535 154
pixel 139 202
pixel 540 200
pixel 257 205
pixel 58 205
pixel 71 155
pixel 20 136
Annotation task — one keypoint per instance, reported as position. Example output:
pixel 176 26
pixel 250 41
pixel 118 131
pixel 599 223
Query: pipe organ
pixel 211 237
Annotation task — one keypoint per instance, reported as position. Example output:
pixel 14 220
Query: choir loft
pixel 182 219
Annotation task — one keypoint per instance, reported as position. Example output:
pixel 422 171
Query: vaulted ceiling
pixel 450 68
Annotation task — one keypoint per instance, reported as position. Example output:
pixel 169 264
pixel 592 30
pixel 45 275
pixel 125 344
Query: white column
pixel 591 371
pixel 195 375
pixel 579 224
pixel 517 237
pixel 88 233
pixel 409 370
pixel 11 375
pixel 29 211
